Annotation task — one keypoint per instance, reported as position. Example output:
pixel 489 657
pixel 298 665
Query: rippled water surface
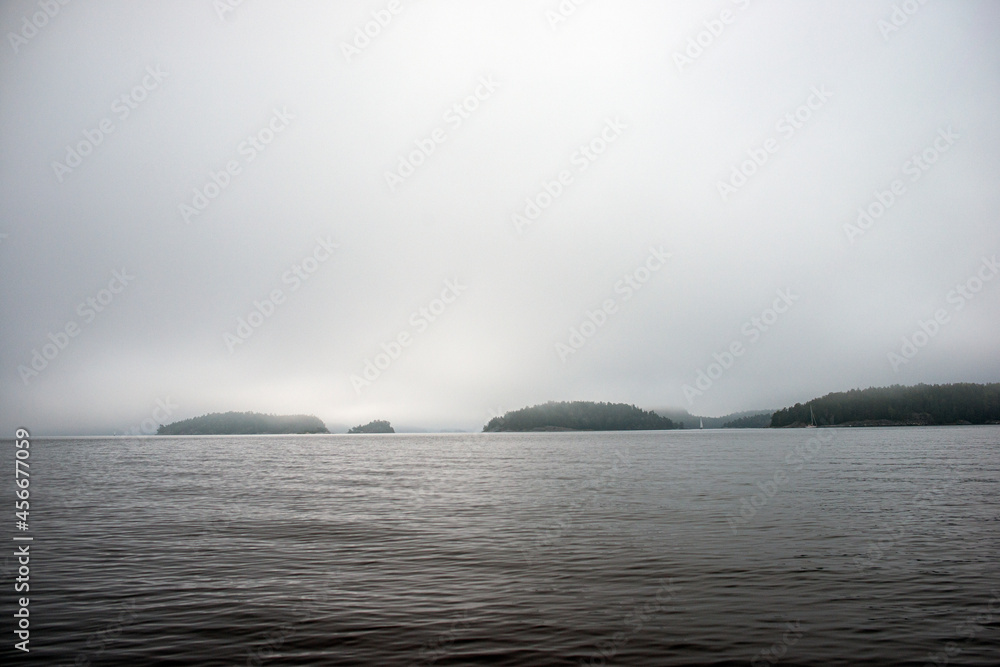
pixel 855 546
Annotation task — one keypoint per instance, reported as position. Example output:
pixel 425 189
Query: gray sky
pixel 627 135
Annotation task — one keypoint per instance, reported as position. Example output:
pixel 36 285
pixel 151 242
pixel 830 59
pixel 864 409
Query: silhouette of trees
pixel 376 426
pixel 921 404
pixel 244 423
pixel 580 416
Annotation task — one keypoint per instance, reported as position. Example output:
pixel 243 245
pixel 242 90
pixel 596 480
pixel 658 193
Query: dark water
pixel 878 546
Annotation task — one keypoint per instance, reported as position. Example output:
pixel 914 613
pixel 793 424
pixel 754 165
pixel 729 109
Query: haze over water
pixel 430 211
pixel 515 549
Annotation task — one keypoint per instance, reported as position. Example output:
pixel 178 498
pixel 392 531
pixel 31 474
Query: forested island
pixel 580 416
pixel 245 423
pixel 377 426
pixel 920 405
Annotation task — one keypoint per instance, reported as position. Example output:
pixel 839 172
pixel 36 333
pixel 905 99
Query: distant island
pixel 377 426
pixel 921 405
pixel 744 419
pixel 755 420
pixel 580 416
pixel 244 423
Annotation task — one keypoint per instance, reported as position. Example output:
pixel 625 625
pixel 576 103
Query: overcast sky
pixel 650 175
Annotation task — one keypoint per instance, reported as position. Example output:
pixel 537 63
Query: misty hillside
pixel 759 420
pixel 744 419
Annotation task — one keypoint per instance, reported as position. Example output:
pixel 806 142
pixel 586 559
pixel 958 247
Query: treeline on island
pixel 245 423
pixel 744 419
pixel 920 405
pixel 580 416
pixel 376 426
pixel 760 420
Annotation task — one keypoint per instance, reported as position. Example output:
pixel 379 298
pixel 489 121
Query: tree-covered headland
pixel 920 405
